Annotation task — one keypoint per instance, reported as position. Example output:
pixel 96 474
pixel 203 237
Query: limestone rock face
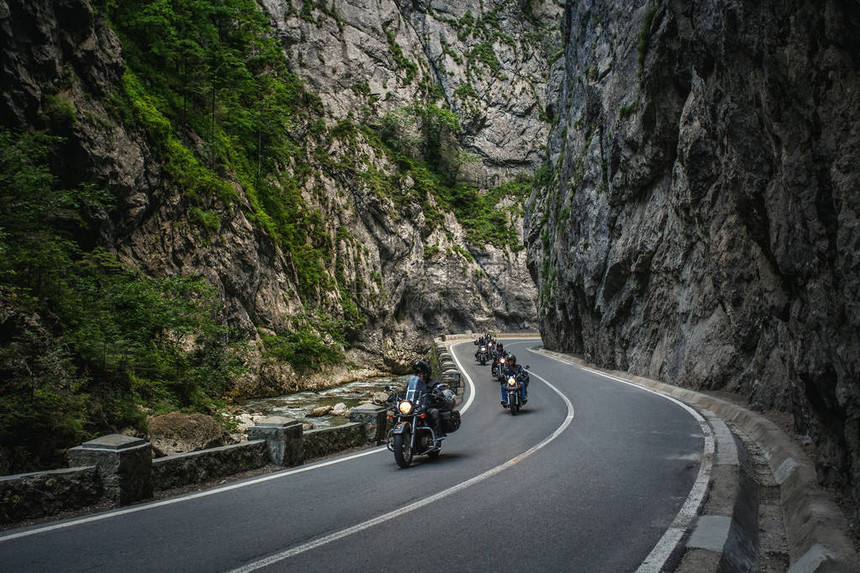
pixel 369 58
pixel 410 278
pixel 700 221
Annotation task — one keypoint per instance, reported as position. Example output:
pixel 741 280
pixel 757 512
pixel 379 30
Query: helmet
pixel 420 368
pixel 512 360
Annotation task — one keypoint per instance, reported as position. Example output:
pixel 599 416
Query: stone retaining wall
pixel 34 495
pixel 121 470
pixel 444 368
pixel 326 441
pixel 196 467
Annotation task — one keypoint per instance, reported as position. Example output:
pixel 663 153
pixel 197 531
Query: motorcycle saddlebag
pixel 450 421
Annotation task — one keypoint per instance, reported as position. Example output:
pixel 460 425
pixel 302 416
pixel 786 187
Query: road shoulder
pixel 726 535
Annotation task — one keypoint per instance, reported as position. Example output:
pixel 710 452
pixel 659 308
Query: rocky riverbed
pixel 177 433
pixel 323 409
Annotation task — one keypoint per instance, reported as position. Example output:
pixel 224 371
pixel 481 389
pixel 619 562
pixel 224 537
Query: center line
pixel 292 552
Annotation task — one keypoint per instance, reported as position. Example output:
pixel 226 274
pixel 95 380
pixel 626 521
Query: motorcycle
pixel 498 368
pixel 412 434
pixel 514 398
pixel 482 355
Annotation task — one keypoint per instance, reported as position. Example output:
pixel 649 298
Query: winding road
pixel 593 475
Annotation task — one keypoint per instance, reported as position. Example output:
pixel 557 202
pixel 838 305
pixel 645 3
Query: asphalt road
pixel 588 477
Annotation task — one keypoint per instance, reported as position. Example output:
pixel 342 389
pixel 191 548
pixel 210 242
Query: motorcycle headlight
pixel 512 381
pixel 483 349
pixel 405 407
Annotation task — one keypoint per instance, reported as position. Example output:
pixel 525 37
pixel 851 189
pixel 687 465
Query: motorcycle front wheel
pixel 402 450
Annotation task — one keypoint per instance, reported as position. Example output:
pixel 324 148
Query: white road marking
pixel 217 490
pixel 687 514
pixel 293 551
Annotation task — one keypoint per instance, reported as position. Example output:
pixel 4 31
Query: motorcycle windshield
pixel 415 389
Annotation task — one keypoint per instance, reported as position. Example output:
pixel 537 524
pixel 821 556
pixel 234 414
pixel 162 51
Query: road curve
pixel 591 476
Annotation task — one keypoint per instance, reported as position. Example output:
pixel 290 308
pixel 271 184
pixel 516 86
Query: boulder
pixel 178 433
pixel 320 411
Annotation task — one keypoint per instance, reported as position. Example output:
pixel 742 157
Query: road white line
pixel 687 514
pixel 468 379
pixel 293 551
pixel 217 490
pixel 214 491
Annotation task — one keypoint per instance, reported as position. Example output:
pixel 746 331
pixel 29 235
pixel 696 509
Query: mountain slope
pixel 321 187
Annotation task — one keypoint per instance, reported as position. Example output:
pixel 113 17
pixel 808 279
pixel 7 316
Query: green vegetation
pixel 627 110
pixel 116 339
pixel 463 253
pixel 466 90
pixel 485 54
pixel 446 49
pixel 211 67
pixel 312 343
pixel 432 165
pixel 60 112
pixel 207 86
pixel 401 60
pixel 563 219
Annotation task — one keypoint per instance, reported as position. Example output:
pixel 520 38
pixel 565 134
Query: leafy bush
pixel 314 341
pixel 90 339
pixel 213 68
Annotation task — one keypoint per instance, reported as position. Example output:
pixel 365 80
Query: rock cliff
pixel 699 221
pixel 401 273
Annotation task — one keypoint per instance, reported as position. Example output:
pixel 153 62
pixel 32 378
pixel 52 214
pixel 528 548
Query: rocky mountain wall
pixel 489 60
pixel 409 277
pixel 700 221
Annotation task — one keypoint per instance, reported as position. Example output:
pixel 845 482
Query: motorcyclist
pixel 440 397
pixel 498 362
pixel 511 368
pixel 482 347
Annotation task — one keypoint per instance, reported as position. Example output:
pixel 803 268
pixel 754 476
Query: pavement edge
pixel 724 538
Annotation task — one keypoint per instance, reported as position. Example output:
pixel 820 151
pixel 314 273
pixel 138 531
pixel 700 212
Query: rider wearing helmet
pixel 511 368
pixel 437 394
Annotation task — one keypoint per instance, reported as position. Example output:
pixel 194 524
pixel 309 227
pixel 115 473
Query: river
pixel 299 404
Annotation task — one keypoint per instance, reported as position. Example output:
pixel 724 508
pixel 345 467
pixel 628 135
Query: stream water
pixel 299 404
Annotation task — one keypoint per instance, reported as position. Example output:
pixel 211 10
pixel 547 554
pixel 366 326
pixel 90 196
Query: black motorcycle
pixel 513 386
pixel 498 368
pixel 412 434
pixel 482 355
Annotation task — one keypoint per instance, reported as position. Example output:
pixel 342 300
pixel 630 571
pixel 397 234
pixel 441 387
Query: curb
pixel 726 538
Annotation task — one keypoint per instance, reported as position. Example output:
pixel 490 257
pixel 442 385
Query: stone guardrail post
pixel 124 465
pixel 374 419
pixel 283 439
